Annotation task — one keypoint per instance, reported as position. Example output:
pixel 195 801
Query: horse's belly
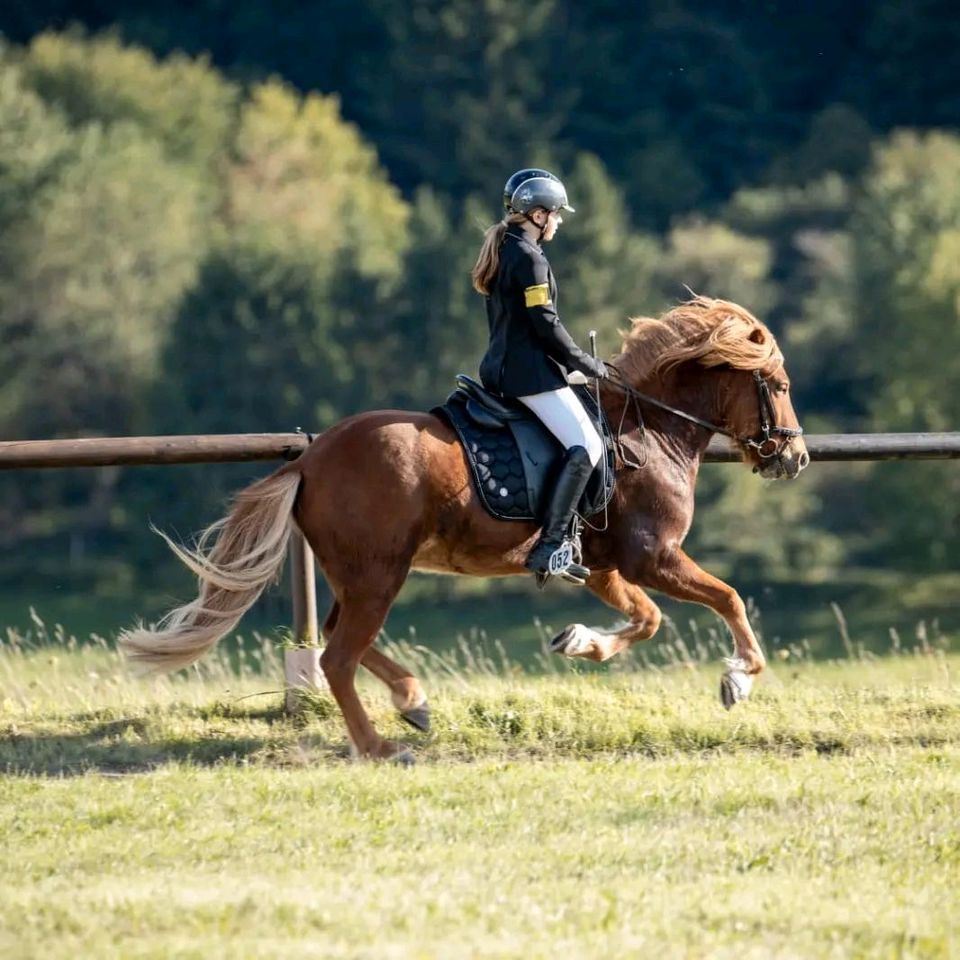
pixel 438 555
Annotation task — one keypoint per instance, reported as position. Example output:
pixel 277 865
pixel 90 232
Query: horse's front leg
pixel 676 575
pixel 590 643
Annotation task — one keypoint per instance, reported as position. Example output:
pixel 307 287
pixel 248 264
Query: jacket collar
pixel 516 231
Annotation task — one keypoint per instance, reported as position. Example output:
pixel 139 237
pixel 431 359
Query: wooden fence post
pixel 302 662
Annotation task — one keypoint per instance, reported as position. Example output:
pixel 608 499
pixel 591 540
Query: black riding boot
pixel 556 523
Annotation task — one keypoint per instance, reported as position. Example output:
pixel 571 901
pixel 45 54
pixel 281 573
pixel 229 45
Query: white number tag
pixel 561 558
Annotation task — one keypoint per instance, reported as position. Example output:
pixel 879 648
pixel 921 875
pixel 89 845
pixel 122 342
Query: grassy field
pixel 601 813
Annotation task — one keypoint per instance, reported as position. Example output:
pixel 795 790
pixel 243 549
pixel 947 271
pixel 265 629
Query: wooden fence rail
pixel 243 447
pixel 114 451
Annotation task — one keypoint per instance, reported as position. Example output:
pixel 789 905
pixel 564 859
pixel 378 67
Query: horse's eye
pixel 783 387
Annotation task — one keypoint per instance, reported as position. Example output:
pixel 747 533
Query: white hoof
pixel 575 641
pixel 736 683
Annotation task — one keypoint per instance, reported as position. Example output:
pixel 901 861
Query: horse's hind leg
pixel 592 644
pixel 355 626
pixel 405 690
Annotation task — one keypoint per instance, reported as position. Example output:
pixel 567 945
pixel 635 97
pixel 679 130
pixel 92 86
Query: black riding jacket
pixel 530 351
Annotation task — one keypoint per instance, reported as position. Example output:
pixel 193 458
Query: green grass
pixel 582 813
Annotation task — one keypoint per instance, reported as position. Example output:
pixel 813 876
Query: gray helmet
pixel 531 188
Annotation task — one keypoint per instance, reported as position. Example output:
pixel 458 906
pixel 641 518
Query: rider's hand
pixel 596 368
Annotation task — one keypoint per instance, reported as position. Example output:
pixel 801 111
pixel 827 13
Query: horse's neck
pixel 681 440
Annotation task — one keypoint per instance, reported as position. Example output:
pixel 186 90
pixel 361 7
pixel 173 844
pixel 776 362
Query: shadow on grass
pixel 134 745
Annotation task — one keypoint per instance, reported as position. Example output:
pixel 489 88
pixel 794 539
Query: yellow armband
pixel 538 296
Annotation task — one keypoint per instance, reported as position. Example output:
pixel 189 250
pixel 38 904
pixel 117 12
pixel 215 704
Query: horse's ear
pixel 757 336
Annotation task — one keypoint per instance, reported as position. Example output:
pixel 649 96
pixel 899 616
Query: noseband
pixel 768 443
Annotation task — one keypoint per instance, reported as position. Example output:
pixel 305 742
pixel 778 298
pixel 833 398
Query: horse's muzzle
pixel 787 465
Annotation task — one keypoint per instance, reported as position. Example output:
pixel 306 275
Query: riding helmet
pixel 532 187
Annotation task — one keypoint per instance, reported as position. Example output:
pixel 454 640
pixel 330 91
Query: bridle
pixel 769 428
pixel 767 444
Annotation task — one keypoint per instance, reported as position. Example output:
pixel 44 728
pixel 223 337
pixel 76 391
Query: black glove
pixel 593 367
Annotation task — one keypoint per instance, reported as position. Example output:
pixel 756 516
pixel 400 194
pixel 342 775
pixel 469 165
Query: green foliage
pixel 99 243
pixel 756 532
pixel 302 180
pixel 434 324
pixel 33 141
pixel 906 232
pixel 181 101
pixel 774 210
pixel 310 246
pixel 911 515
pixel 476 99
pixel 711 257
pixel 908 69
pixel 606 265
pixel 108 251
pixel 838 142
pixel 157 297
pixel 265 319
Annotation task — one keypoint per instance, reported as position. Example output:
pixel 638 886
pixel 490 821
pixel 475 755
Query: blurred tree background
pixel 261 216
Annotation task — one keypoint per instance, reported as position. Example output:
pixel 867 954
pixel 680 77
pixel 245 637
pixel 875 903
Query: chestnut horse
pixel 386 492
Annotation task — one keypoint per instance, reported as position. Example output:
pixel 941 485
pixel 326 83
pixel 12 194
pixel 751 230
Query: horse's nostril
pixel 803 460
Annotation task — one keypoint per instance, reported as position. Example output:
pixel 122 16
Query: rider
pixel 530 352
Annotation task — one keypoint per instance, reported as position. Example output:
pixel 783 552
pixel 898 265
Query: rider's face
pixel 553 221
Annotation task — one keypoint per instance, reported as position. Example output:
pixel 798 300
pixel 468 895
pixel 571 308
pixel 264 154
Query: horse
pixel 385 492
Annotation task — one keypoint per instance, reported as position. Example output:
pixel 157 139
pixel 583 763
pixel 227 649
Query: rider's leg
pixel 559 514
pixel 564 416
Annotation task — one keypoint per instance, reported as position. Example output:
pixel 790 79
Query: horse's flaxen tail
pixel 235 558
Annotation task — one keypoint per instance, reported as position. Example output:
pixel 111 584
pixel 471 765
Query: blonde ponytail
pixel 488 260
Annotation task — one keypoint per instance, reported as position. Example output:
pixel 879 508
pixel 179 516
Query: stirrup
pixel 576 574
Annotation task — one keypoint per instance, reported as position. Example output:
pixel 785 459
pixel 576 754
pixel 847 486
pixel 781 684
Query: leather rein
pixel 766 444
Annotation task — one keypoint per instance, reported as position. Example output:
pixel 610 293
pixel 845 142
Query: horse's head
pixel 758 411
pixel 730 361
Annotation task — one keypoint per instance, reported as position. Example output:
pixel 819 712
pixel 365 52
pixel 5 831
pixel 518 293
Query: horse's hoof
pixel 404 758
pixel 418 717
pixel 735 684
pixel 728 693
pixel 560 642
pixel 576 641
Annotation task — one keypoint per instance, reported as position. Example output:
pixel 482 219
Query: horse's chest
pixel 658 500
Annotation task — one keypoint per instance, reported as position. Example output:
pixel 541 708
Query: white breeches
pixel 564 416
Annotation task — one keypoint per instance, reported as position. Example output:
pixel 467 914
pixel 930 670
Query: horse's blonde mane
pixel 711 332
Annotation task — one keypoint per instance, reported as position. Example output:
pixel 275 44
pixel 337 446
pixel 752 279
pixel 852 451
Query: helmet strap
pixel 542 229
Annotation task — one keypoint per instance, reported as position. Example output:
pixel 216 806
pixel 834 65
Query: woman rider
pixel 530 352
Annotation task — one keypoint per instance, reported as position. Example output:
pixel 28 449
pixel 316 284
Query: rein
pixel 766 445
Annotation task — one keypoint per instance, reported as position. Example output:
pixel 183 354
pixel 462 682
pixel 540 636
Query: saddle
pixel 514 460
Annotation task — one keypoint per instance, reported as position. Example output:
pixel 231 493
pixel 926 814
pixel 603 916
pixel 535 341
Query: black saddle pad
pixel 514 460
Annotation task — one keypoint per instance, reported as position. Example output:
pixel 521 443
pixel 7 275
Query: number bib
pixel 561 558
